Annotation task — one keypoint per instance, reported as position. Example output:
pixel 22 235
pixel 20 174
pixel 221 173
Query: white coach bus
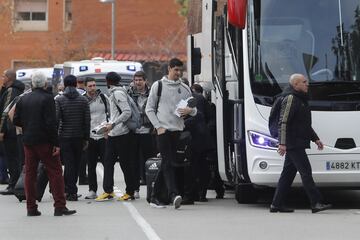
pixel 248 51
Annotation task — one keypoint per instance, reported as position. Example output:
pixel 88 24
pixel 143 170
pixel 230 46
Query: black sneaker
pixel 320 207
pixel 63 211
pixel 274 209
pixel 72 197
pixel 33 213
pixel 156 203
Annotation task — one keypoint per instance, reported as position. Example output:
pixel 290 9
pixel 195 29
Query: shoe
pixel 105 197
pixel 320 207
pixel 187 201
pixel 126 197
pixel 220 193
pixel 136 194
pixel 71 197
pixel 274 209
pixel 63 211
pixel 7 191
pixel 177 201
pixel 33 213
pixel 203 199
pixel 91 195
pixel 156 203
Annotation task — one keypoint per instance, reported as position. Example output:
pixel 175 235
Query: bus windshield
pixel 320 39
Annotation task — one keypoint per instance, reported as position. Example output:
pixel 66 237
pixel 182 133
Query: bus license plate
pixel 348 165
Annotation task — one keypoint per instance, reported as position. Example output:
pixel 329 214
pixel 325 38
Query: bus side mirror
pixel 237 13
pixel 196 61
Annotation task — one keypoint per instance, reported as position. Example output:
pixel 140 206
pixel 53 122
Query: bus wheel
pixel 245 193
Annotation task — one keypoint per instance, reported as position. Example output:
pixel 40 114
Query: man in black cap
pixel 73 116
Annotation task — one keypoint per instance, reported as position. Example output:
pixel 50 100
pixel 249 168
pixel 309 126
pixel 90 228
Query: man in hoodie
pixel 161 111
pixel 73 116
pixel 120 142
pixel 35 114
pixel 11 89
pixel 99 113
pixel 295 134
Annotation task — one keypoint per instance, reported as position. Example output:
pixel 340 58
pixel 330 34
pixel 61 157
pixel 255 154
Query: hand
pixel 1 137
pixel 56 151
pixel 108 128
pixel 319 144
pixel 85 145
pixel 184 111
pixel 281 150
pixel 160 131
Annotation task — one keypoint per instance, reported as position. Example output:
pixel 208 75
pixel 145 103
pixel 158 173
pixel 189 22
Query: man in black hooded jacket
pixel 295 133
pixel 11 89
pixel 73 116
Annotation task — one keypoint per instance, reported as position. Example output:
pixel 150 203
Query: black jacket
pixel 7 96
pixel 35 114
pixel 295 129
pixel 73 114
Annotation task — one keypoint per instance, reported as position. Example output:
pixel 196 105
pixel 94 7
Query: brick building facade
pixel 45 32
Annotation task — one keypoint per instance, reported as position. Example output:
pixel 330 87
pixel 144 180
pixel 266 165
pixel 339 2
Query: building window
pixel 31 15
pixel 68 15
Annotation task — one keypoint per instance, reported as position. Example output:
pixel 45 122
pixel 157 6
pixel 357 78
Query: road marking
pixel 141 222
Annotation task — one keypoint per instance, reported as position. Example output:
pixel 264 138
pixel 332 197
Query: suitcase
pixel 42 181
pixel 152 167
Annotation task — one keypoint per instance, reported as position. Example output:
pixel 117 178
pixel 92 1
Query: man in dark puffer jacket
pixel 73 116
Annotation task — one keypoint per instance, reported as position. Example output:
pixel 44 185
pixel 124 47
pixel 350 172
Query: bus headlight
pixel 262 141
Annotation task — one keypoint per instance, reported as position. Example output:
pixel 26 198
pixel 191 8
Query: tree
pixel 184 10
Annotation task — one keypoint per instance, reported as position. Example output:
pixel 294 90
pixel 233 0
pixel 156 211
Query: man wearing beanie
pixel 120 142
pixel 35 114
pixel 73 116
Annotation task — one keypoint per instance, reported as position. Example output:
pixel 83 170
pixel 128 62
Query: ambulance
pixel 24 75
pixel 98 68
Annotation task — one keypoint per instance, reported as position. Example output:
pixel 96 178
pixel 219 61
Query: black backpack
pixel 275 117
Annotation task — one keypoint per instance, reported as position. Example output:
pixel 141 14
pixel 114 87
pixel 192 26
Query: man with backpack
pixel 139 92
pixel 120 141
pixel 168 120
pixel 294 135
pixel 99 113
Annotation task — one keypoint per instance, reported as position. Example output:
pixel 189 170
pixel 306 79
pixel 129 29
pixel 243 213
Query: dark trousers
pixel 167 144
pixel 143 150
pixel 12 159
pixel 95 153
pixel 296 160
pixel 53 169
pixel 3 168
pixel 196 176
pixel 120 148
pixel 71 149
pixel 82 167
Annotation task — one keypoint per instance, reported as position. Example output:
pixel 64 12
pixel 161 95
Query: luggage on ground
pixel 42 181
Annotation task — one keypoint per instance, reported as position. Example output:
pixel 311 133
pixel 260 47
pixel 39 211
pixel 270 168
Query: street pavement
pixel 216 219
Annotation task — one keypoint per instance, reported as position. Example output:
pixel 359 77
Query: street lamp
pixel 112 25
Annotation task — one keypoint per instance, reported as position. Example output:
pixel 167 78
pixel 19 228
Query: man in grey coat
pixel 168 120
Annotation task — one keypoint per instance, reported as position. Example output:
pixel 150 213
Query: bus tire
pixel 245 193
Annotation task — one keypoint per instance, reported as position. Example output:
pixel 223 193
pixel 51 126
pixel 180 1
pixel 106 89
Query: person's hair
pixel 140 74
pixel 294 78
pixel 175 62
pixel 70 81
pixel 197 88
pixel 80 79
pixel 10 74
pixel 38 79
pixel 112 78
pixel 89 79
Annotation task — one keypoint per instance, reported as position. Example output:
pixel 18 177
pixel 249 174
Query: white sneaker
pixel 137 194
pixel 91 195
pixel 177 201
